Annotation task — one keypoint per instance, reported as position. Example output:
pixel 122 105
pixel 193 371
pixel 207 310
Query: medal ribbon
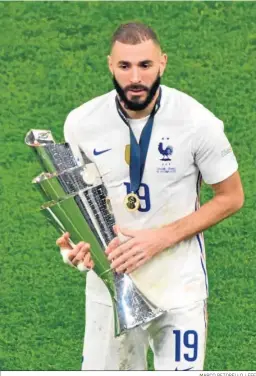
pixel 138 151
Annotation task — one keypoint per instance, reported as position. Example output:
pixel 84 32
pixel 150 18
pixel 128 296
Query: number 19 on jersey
pixel 143 195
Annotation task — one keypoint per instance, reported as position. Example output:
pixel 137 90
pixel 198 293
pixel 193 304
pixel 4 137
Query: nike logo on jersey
pixel 187 369
pixel 96 152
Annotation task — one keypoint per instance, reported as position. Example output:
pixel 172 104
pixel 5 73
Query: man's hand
pixel 141 247
pixel 79 254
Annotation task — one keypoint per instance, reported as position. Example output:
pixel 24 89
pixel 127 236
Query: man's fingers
pixel 78 248
pixel 117 251
pixel 63 244
pixel 88 261
pixel 130 263
pixel 63 241
pixel 74 256
pixel 81 250
pixel 125 257
pixel 116 229
pixel 66 235
pixel 112 245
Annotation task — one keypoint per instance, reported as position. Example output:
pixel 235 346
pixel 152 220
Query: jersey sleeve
pixel 70 135
pixel 213 153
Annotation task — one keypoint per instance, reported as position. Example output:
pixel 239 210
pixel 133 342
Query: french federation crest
pixel 165 149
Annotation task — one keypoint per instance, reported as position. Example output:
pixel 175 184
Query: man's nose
pixel 135 76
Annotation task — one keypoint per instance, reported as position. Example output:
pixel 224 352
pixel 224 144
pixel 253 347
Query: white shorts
pixel 177 339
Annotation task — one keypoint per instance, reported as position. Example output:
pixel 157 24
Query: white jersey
pixel 187 144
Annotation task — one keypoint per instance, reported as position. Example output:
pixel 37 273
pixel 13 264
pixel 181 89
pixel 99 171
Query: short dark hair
pixel 134 33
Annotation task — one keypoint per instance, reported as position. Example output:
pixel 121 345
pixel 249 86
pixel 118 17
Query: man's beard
pixel 135 105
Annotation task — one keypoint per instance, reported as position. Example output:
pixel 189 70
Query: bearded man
pixel 152 145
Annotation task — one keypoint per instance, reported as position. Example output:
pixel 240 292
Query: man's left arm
pixel 216 162
pixel 144 244
pixel 228 199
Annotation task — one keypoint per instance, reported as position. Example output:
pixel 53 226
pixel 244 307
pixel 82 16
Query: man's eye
pixel 123 66
pixel 145 65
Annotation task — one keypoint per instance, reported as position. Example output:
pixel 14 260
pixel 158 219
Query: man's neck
pixel 143 113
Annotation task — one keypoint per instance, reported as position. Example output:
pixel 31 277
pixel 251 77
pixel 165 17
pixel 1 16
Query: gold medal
pixel 132 202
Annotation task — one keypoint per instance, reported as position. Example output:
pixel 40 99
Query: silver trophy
pixel 78 203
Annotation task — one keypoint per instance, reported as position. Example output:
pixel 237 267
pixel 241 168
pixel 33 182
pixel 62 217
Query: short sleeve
pixel 212 151
pixel 70 136
pixel 71 133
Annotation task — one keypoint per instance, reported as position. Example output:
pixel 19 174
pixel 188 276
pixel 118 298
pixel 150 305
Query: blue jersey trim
pixel 198 185
pixel 204 270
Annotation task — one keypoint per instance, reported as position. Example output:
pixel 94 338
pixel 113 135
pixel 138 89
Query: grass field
pixel 52 59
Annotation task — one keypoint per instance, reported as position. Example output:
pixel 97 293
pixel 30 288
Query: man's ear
pixel 163 62
pixel 110 66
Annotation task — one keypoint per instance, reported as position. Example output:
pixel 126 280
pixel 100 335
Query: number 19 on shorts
pixel 186 345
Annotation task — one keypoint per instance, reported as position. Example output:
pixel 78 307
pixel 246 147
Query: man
pixel 152 145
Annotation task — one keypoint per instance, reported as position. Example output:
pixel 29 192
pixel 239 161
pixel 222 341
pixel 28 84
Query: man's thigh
pixel 178 338
pixel 97 335
pixel 102 351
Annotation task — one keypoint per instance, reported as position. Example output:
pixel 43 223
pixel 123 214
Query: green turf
pixel 52 59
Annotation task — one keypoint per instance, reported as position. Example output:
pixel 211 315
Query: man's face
pixel 136 71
